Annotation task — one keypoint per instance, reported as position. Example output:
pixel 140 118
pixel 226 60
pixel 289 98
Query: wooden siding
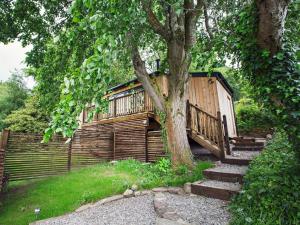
pixel 91 145
pixel 155 146
pixel 130 139
pixel 226 108
pixel 202 92
pixel 26 157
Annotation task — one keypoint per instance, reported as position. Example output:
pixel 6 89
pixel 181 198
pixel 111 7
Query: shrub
pixel 270 194
pixel 253 119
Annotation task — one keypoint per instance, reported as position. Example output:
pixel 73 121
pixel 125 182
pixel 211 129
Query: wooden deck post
pixel 115 108
pixel 114 144
pixel 226 136
pixel 188 115
pixel 70 155
pixel 220 135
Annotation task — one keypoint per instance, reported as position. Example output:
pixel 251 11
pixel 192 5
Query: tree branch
pixel 191 18
pixel 144 78
pixel 154 22
pixel 206 20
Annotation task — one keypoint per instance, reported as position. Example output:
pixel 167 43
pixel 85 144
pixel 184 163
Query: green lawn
pixel 61 194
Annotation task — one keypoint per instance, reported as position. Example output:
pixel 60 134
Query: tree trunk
pixel 175 125
pixel 179 62
pixel 272 14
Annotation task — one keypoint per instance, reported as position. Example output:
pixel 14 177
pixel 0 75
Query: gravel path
pixel 140 211
pixel 199 209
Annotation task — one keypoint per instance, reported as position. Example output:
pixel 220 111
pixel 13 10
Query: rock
pixel 171 215
pixel 109 199
pixel 113 162
pixel 84 207
pixel 163 221
pixel 146 192
pixel 218 163
pixel 134 187
pixel 160 204
pixel 269 136
pixel 160 189
pixel 137 193
pixel 176 190
pixel 128 193
pixel 187 188
pixel 193 195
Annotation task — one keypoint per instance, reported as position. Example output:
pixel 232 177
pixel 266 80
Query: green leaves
pixel 270 187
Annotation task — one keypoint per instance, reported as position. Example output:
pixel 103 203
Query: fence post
pixel 3 143
pixel 226 136
pixel 69 155
pixel 220 135
pixel 114 144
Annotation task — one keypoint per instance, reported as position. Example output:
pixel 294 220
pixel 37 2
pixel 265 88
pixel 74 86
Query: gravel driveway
pixel 140 211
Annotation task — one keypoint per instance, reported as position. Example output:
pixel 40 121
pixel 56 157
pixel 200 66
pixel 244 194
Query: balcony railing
pixel 128 104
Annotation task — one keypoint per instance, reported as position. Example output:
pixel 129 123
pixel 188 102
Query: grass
pixel 61 194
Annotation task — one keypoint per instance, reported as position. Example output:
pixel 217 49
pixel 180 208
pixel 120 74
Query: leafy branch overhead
pixel 85 46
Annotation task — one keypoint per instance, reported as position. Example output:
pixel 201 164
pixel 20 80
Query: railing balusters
pixel 203 123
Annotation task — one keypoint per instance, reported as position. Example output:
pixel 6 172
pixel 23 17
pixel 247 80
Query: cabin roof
pixel 218 75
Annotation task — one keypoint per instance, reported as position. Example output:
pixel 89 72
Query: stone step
pixel 226 172
pixel 255 144
pixel 215 189
pixel 240 157
pixel 247 148
pixel 236 161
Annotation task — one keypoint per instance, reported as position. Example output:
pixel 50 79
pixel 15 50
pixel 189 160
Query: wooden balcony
pixel 123 105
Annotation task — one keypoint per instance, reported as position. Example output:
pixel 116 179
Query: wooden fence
pixel 26 157
pixel 155 146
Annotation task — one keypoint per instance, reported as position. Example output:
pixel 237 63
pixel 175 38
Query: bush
pixel 271 193
pixel 253 119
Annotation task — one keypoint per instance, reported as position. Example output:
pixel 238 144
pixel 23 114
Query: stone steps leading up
pixel 216 189
pixel 225 180
pixel 226 172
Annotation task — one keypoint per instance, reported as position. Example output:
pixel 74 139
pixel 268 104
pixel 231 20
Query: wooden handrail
pixel 206 125
pixel 207 113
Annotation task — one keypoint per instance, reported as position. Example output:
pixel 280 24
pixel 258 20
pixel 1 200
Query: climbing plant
pixel 274 74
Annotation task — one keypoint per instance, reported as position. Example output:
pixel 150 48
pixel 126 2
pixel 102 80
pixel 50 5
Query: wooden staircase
pixel 225 180
pixel 206 129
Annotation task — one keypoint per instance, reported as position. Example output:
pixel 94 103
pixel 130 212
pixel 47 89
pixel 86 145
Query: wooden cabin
pixel 135 127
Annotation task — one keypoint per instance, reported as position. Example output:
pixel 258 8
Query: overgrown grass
pixel 271 193
pixel 61 194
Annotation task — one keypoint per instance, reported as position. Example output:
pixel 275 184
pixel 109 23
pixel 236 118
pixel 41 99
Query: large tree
pixel 177 32
pixel 13 93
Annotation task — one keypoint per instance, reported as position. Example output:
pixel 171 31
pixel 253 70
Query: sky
pixel 12 57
